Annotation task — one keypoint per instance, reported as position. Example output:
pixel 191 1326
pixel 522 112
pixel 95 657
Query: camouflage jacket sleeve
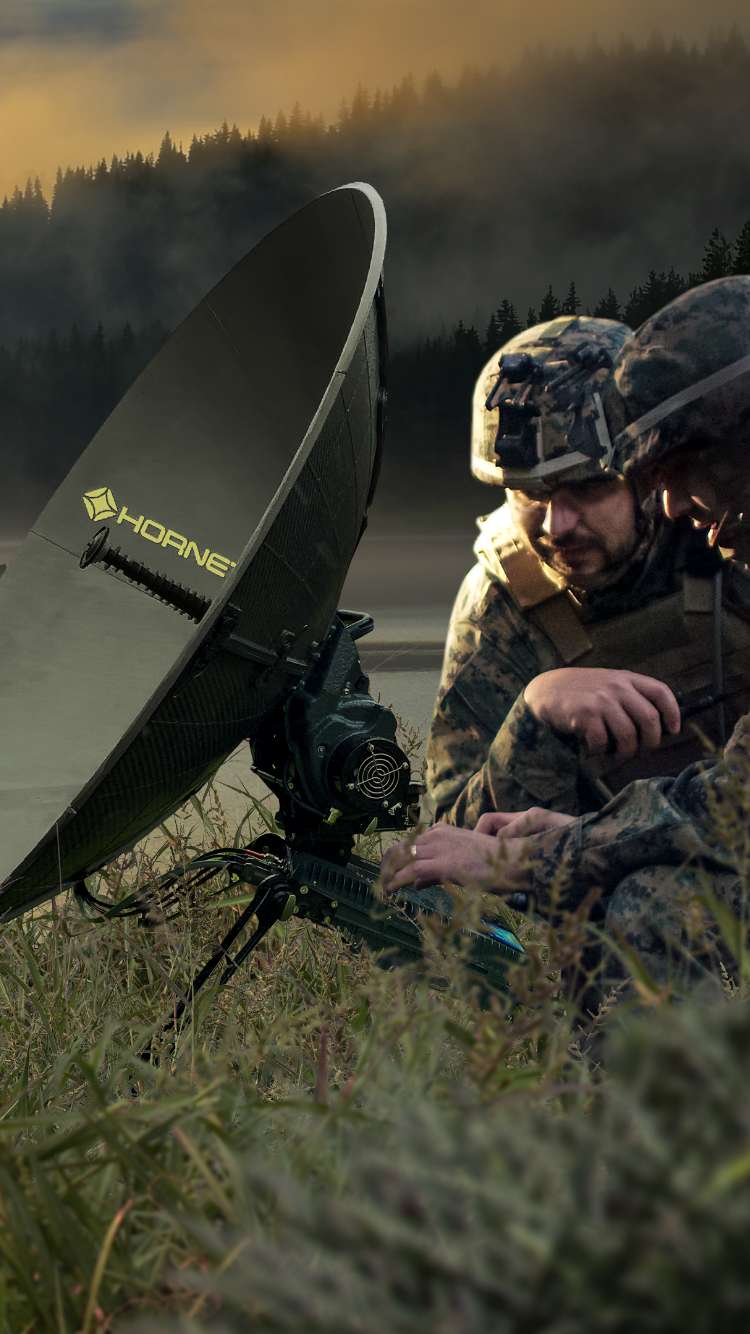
pixel 527 764
pixel 485 750
pixel 695 822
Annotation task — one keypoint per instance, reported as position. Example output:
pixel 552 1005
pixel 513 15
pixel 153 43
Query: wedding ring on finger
pixel 413 850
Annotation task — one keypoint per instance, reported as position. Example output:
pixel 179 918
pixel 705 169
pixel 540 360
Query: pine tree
pixel 549 307
pixel 39 203
pixel 296 124
pixel 609 307
pixel 508 323
pixel 658 289
pixel 531 318
pixel 359 115
pixel 741 256
pixel 633 313
pixel 571 305
pixel 265 130
pixel 405 99
pixel 58 189
pixel 492 339
pixel 344 116
pixel 167 151
pixel 672 285
pixel 717 257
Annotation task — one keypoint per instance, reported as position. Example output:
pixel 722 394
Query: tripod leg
pixel 268 906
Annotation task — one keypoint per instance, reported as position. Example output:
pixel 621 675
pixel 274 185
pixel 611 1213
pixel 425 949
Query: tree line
pixel 486 184
pixel 57 390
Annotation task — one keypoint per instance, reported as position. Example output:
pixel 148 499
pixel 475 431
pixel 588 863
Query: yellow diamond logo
pixel 100 503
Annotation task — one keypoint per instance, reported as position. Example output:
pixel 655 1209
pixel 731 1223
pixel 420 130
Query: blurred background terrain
pixel 603 179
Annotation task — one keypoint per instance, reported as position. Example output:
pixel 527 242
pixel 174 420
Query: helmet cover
pixel 537 419
pixel 683 379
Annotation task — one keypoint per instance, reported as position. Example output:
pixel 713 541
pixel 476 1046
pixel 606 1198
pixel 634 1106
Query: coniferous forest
pixel 605 181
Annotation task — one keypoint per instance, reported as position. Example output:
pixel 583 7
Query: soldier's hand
pixel 517 824
pixel 459 856
pixel 619 710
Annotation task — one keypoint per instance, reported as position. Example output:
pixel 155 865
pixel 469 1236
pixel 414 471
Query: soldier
pixel 678 412
pixel 573 575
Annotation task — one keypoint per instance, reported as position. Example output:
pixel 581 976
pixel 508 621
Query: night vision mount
pixel 519 442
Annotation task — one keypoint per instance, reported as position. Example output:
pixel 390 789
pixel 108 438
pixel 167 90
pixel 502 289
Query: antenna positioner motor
pixel 369 772
pixel 329 751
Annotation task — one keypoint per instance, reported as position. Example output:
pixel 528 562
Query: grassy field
pixel 335 1147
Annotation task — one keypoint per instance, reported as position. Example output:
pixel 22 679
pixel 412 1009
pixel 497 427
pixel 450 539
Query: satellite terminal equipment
pixel 179 594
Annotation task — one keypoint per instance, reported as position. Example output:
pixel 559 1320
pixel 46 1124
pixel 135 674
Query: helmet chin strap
pixel 714 536
pixel 732 536
pixel 688 395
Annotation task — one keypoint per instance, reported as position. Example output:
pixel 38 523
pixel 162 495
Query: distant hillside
pixel 590 168
pixel 56 392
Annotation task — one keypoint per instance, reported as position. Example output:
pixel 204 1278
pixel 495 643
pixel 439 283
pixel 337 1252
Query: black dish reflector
pixel 240 465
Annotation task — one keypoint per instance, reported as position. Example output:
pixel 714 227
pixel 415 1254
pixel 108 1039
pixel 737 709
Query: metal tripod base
pixel 269 905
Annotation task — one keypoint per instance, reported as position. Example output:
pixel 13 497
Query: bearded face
pixel 585 531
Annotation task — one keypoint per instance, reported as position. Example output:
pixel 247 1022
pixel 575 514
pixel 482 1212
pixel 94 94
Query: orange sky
pixel 81 79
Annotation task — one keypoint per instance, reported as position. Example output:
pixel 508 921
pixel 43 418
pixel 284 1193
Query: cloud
pixel 72 20
pixel 81 79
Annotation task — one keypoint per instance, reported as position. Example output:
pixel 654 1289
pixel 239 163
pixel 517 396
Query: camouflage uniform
pixel 545 376
pixel 662 844
pixel 682 383
pixel 651 852
pixel 534 427
pixel 486 751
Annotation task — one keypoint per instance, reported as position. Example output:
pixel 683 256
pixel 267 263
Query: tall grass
pixel 335 1147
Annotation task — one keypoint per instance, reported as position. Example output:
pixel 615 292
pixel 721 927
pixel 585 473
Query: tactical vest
pixel 696 639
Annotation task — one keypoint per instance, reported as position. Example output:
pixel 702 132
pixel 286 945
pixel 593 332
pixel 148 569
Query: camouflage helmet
pixel 683 379
pixel 536 413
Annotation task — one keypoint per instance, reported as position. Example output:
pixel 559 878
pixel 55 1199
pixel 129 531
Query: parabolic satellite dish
pixel 240 466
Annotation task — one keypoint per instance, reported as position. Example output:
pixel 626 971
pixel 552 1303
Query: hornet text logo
pixel 101 504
